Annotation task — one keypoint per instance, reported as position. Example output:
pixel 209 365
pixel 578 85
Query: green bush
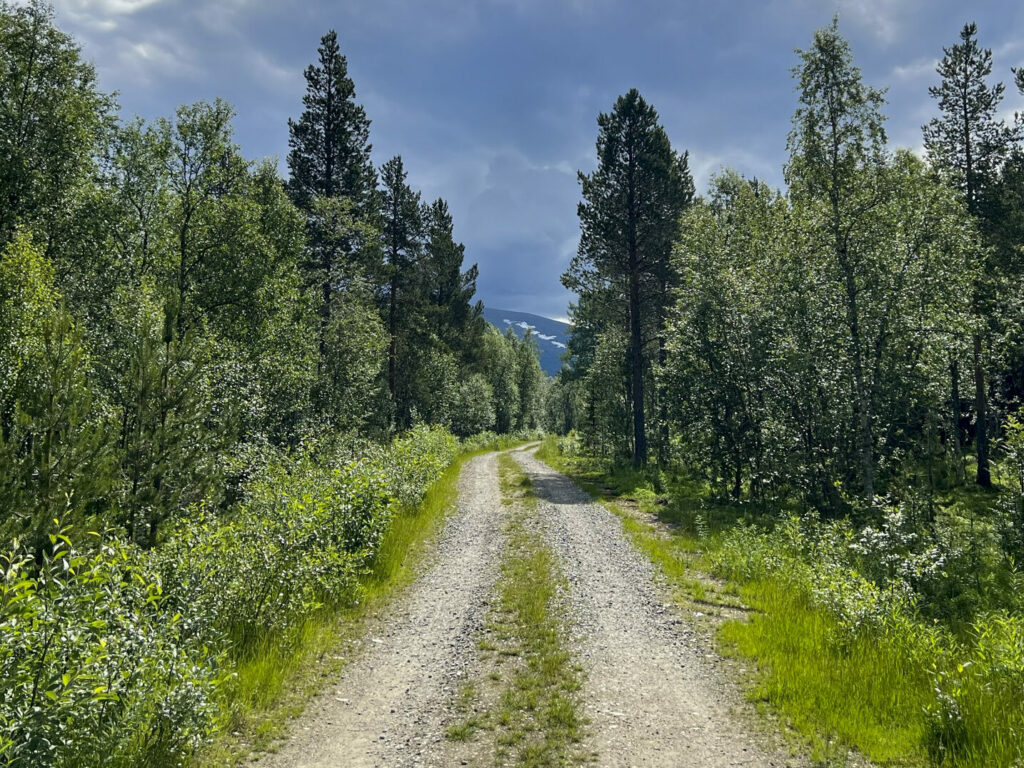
pixel 977 718
pixel 94 664
pixel 870 600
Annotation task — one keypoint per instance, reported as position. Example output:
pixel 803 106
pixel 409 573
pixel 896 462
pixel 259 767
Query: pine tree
pixel 628 221
pixel 402 234
pixel 454 320
pixel 330 142
pixel 968 139
pixel 331 172
pixel 971 143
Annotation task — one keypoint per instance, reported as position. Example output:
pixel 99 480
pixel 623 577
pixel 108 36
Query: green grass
pixel 871 693
pixel 278 677
pixel 533 688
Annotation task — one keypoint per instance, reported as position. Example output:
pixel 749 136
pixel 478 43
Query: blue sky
pixel 493 103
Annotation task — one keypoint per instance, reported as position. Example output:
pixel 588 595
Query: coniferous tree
pixel 628 222
pixel 329 160
pixel 402 237
pixel 454 320
pixel 970 142
pixel 330 142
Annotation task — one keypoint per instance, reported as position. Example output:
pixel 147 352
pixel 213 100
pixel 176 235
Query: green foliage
pixel 127 653
pixel 95 664
pixel 629 219
pixel 51 116
pixel 53 451
pixel 473 410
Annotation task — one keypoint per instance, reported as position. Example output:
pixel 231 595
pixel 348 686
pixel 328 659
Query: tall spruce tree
pixel 628 221
pixel 331 170
pixel 330 142
pixel 971 143
pixel 402 235
pixel 454 320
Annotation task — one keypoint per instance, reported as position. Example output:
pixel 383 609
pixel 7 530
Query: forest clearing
pixel 735 479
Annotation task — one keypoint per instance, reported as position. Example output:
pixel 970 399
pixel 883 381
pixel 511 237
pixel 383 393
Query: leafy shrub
pixel 978 714
pixel 119 653
pixel 94 665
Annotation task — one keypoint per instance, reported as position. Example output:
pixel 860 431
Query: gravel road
pixel 651 688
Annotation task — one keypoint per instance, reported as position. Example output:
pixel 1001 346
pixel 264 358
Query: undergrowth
pixel 141 657
pixel 276 681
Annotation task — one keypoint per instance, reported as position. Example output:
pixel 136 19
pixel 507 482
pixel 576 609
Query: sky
pixel 493 103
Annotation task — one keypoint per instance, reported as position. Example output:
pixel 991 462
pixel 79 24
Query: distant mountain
pixel 551 335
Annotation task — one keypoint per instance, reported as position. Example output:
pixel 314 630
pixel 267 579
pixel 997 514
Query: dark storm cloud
pixel 493 103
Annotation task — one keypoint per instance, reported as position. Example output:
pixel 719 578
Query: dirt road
pixel 651 690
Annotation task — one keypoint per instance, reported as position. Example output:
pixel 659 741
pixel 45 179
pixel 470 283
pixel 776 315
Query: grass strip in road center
pixel 529 699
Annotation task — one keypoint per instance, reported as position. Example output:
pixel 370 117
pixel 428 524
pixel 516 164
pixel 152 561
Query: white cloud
pixel 155 57
pixel 883 18
pixel 915 70
pixel 94 8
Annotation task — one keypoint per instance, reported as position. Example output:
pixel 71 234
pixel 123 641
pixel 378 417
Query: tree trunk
pixel 636 357
pixel 325 309
pixel 393 331
pixel 984 476
pixel 958 451
pixel 663 433
pixel 861 403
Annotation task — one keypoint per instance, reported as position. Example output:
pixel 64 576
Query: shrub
pixel 117 654
pixel 94 665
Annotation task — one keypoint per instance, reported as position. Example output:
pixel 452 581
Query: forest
pixel 219 387
pixel 228 393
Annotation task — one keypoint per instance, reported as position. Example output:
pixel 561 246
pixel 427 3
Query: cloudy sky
pixel 493 103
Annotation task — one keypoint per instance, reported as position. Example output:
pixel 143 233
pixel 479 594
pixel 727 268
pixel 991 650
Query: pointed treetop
pixel 330 142
pixel 967 138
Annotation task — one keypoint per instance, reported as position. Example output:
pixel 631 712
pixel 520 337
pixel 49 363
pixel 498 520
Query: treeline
pixel 217 389
pixel 833 343
pixel 170 308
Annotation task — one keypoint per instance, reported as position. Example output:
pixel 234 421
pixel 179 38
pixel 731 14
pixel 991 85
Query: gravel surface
pixel 652 690
pixel 388 708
